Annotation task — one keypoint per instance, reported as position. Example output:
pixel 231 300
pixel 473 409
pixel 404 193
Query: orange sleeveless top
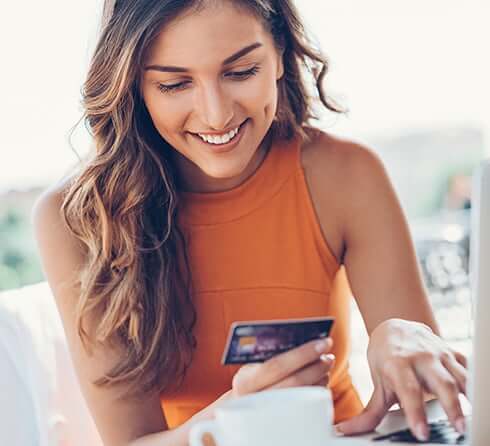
pixel 257 252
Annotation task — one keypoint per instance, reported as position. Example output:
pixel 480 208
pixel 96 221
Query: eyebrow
pixel 227 61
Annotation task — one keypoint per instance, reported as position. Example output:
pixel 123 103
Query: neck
pixel 193 179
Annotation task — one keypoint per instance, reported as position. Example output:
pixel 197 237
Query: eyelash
pixel 238 75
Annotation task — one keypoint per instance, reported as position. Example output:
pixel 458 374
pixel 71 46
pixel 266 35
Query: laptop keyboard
pixel 440 432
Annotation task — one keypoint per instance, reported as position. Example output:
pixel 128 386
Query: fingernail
pixel 337 430
pixel 322 345
pixel 421 432
pixel 460 424
pixel 327 357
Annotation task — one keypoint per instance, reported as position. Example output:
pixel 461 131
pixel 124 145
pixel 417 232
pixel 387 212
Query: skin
pixel 358 211
pixel 212 98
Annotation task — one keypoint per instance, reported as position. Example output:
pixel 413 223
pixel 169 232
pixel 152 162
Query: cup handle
pixel 203 427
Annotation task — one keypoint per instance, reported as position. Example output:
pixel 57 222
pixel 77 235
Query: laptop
pixel 479 434
pixel 479 367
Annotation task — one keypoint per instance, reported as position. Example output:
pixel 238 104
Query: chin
pixel 224 174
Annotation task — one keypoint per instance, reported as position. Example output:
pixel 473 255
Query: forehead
pixel 216 30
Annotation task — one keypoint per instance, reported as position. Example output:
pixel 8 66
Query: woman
pixel 209 199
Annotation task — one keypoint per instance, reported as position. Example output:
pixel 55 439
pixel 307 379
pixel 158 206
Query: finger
pixel 323 382
pixel 461 358
pixel 328 358
pixel 410 395
pixel 459 373
pixel 208 440
pixel 242 382
pixel 444 385
pixel 285 364
pixel 307 376
pixel 370 417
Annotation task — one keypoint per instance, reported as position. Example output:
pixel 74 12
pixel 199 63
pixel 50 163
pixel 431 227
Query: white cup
pixel 285 417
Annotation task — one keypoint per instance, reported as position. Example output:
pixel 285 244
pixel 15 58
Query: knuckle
pixel 449 385
pixel 424 356
pixel 391 367
pixel 273 367
pixel 445 357
pixel 412 386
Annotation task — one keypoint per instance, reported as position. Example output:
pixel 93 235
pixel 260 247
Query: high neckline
pixel 208 208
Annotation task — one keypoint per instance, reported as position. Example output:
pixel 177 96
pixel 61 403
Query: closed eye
pixel 236 75
pixel 244 74
pixel 173 87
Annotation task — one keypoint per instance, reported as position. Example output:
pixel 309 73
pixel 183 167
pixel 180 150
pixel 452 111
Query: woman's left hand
pixel 406 358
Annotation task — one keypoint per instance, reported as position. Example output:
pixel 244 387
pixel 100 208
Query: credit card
pixel 257 341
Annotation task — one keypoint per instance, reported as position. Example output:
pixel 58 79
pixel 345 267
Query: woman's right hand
pixel 306 365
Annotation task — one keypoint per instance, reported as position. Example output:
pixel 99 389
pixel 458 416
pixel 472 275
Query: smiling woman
pixel 209 198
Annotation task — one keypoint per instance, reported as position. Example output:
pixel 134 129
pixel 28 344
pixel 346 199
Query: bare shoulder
pixel 337 156
pixel 338 172
pixel 51 232
pixel 61 254
pixel 47 208
pixel 48 204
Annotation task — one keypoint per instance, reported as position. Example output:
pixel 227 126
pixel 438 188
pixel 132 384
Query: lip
pixel 223 132
pixel 223 148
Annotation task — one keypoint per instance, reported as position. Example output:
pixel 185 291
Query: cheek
pixel 167 115
pixel 261 99
pixel 261 95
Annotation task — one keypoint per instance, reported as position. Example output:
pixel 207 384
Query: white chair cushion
pixel 42 403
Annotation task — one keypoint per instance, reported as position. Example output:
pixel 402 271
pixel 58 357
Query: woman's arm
pixel 370 236
pixel 379 256
pixel 117 421
pixel 365 228
pixel 180 435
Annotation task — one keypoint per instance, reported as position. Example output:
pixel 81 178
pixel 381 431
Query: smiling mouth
pixel 222 139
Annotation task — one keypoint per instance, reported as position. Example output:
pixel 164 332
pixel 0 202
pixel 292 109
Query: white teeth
pixel 219 139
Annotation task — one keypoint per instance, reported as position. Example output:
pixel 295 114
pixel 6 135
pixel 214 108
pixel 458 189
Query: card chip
pixel 247 340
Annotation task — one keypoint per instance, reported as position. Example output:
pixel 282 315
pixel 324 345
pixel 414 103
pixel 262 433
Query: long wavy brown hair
pixel 123 204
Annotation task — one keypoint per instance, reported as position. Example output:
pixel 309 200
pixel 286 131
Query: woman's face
pixel 209 84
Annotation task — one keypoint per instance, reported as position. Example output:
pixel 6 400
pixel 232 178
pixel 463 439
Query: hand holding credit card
pixel 257 341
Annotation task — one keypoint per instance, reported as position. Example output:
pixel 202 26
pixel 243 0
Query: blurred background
pixel 413 75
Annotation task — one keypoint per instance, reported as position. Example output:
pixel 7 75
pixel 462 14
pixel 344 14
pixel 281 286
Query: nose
pixel 214 107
